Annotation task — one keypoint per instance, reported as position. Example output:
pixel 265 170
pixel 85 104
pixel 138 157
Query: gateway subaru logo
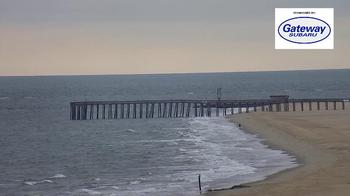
pixel 294 30
pixel 303 28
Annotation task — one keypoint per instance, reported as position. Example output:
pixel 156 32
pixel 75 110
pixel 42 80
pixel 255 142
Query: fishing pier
pixel 185 108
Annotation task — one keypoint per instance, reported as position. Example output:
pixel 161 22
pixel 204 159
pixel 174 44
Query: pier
pixel 185 108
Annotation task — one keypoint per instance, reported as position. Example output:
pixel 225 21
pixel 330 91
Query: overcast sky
pixel 47 37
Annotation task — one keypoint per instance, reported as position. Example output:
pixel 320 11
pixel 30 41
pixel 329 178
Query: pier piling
pixel 302 106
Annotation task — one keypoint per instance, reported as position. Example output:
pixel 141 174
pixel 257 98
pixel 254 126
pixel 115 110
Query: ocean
pixel 44 153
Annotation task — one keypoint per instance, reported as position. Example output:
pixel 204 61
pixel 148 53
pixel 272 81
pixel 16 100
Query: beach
pixel 320 140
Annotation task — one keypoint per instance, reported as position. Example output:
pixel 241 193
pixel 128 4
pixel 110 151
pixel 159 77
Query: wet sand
pixel 319 139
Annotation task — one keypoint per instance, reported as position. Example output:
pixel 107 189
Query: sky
pixel 79 37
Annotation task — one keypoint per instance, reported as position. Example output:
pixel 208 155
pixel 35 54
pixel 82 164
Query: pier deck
pixel 185 108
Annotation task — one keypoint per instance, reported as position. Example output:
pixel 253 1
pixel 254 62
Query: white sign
pixel 304 28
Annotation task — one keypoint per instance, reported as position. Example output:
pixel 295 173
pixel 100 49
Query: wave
pixel 58 176
pixel 131 130
pixel 48 180
pixel 89 192
pixel 31 183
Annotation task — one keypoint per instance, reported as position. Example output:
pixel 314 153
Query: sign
pixel 304 28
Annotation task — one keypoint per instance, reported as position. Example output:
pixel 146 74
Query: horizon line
pixel 174 73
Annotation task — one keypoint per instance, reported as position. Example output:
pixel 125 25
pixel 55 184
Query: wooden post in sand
pixel 293 106
pixel 310 105
pixel 326 105
pixel 270 107
pixel 286 107
pixel 318 105
pixel 278 107
pixel 302 106
pixel 343 105
pixel 199 184
pixel 334 105
pixel 255 107
pixel 239 108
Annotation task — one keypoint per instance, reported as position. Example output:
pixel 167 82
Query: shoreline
pixel 319 141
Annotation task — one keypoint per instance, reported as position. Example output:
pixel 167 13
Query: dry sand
pixel 319 139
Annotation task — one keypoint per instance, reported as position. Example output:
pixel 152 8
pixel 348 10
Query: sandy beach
pixel 319 139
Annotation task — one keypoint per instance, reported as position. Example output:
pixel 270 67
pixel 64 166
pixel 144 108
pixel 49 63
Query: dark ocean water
pixel 43 152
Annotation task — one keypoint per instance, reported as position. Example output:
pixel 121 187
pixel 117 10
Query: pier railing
pixel 184 108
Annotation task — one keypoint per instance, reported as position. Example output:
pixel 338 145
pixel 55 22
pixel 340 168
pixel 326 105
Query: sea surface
pixel 42 152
